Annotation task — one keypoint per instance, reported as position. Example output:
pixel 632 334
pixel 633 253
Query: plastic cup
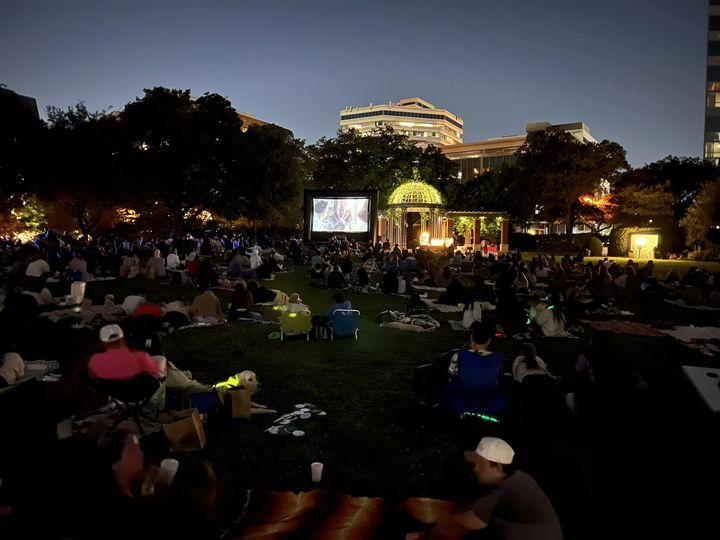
pixel 316 470
pixel 169 468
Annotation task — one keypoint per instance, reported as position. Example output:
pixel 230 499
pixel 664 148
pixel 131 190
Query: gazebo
pixel 436 225
pixel 414 197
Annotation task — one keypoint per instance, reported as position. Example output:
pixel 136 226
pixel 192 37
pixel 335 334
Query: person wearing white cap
pixel 117 362
pixel 515 508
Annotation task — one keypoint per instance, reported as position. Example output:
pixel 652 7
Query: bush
pixel 523 241
pixel 594 244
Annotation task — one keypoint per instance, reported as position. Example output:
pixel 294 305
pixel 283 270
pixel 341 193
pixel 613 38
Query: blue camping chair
pixel 344 323
pixel 477 390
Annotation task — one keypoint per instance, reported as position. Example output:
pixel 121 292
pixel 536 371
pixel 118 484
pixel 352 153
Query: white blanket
pixel 690 333
pixel 682 303
pixel 443 308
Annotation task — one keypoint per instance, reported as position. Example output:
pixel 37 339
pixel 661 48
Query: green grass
pixel 375 443
pixel 663 266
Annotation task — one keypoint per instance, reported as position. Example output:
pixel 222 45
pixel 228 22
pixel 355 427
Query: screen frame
pixel 323 236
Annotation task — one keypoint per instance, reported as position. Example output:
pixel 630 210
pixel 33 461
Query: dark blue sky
pixel 633 70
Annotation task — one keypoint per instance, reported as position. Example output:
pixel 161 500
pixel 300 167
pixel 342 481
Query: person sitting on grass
pixel 155 267
pixel 415 306
pixel 514 507
pixel 429 381
pixel 551 319
pixel 339 302
pixel 336 279
pixel 117 362
pixel 206 307
pixel 172 262
pixel 241 304
pixel 295 304
pixel 260 294
pixel 528 363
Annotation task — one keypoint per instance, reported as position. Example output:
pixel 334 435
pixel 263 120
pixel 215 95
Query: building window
pixel 712 150
pixel 714 23
pixel 713 73
pixel 713 100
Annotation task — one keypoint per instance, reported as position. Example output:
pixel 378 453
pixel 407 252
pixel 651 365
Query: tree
pixel 682 176
pixel 435 168
pixel 21 133
pixel 598 213
pixel 274 165
pixel 502 190
pixel 641 206
pixel 559 170
pixel 83 166
pixel 381 161
pixel 186 152
pixel 702 222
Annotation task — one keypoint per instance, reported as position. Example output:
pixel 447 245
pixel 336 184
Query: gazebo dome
pixel 415 194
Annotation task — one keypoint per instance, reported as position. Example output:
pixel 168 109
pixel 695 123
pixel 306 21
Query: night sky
pixel 633 70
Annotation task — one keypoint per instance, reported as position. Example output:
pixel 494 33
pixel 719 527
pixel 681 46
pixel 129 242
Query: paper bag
pixel 184 431
pixel 240 402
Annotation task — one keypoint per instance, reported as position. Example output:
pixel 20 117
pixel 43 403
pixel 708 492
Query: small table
pixel 705 380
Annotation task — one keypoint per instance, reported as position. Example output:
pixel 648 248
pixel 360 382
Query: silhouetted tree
pixel 21 135
pixel 381 161
pixel 274 167
pixel 186 152
pixel 558 169
pixel 83 165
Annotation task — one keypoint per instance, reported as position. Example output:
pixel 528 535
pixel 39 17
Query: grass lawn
pixel 663 266
pixel 652 471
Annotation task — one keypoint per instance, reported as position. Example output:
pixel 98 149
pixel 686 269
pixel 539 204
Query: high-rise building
pixel 420 120
pixel 26 102
pixel 711 150
pixel 476 158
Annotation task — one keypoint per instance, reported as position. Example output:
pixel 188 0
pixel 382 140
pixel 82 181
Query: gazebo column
pixel 403 229
pixel 390 226
pixel 505 235
pixel 478 234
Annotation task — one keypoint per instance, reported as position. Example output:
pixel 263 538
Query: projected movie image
pixel 346 215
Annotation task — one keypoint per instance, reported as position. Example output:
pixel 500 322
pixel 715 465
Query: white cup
pixel 169 469
pixel 316 470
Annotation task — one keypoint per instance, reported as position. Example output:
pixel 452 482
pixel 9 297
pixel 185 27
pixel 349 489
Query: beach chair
pixel 344 323
pixel 295 324
pixel 476 391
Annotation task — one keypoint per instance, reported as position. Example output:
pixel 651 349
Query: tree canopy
pixel 702 222
pixel 21 133
pixel 84 171
pixel 558 169
pixel 382 161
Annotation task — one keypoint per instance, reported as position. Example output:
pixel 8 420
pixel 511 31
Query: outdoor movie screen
pixel 340 215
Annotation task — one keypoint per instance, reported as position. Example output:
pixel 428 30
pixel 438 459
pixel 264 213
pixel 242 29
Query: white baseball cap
pixel 110 333
pixel 496 450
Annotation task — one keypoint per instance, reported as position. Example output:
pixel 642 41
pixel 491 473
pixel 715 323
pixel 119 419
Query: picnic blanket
pixel 325 516
pixel 682 303
pixel 443 308
pixel 399 321
pixel 427 288
pixel 705 339
pixel 625 327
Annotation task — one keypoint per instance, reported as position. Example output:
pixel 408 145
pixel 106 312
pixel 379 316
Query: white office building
pixel 420 120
